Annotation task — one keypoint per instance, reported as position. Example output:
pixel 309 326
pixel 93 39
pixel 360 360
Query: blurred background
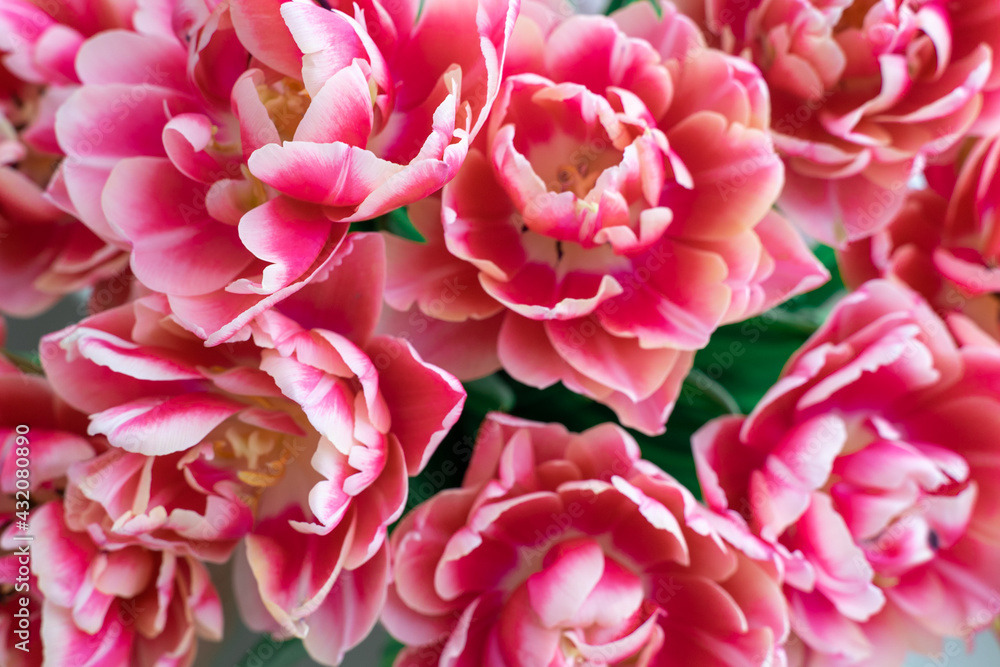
pixel 244 648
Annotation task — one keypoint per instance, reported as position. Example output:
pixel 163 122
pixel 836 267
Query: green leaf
pixel 396 222
pixel 26 363
pixel 615 5
pixel 392 649
pixel 713 391
pixel 489 394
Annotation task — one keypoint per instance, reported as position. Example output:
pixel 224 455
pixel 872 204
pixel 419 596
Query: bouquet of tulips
pixel 543 333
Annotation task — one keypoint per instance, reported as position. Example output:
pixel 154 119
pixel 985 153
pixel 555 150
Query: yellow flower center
pixel 261 457
pixel 286 102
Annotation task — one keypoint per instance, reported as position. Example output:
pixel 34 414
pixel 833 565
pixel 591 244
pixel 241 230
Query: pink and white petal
pixel 679 305
pixel 424 401
pixel 157 426
pixel 221 317
pixel 295 571
pixel 340 112
pixel 819 624
pixel 125 57
pixel 467 350
pixel 125 357
pixel 843 574
pixel 725 199
pixel 644 641
pixel 570 573
pixel 619 594
pixel 618 363
pixel 52 454
pixel 326 399
pixel 348 301
pixel 79 375
pixel 261 29
pixel 185 138
pixel 444 286
pixel 176 247
pixel 251 607
pixel 380 502
pixel 330 42
pixel 536 291
pixel 256 126
pixel 358 172
pixel 838 211
pixel 478 48
pixel 410 626
pixel 650 414
pixel 124 573
pixel 477 220
pixel 527 354
pixel 61 557
pixel 204 603
pixel 350 611
pixel 67 644
pixel 110 120
pixel 402 186
pixel 795 269
pixel 524 642
pixel 55 51
pixel 286 233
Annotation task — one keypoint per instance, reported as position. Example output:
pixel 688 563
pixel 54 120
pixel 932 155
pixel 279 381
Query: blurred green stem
pixel 23 363
pixel 713 390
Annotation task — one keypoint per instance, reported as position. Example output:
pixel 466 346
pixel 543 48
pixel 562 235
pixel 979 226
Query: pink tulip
pixel 44 253
pixel 315 425
pixel 226 145
pixel 943 243
pixel 113 574
pixel 870 465
pixel 566 549
pixel 40 429
pixel 42 436
pixel 615 213
pixel 185 503
pixel 101 584
pixel 125 606
pixel 12 611
pixel 862 94
pixel 57 437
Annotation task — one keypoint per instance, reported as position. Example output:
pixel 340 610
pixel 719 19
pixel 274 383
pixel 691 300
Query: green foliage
pixel 489 394
pixel 26 363
pixel 395 222
pixel 392 649
pixel 618 4
pixel 398 222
